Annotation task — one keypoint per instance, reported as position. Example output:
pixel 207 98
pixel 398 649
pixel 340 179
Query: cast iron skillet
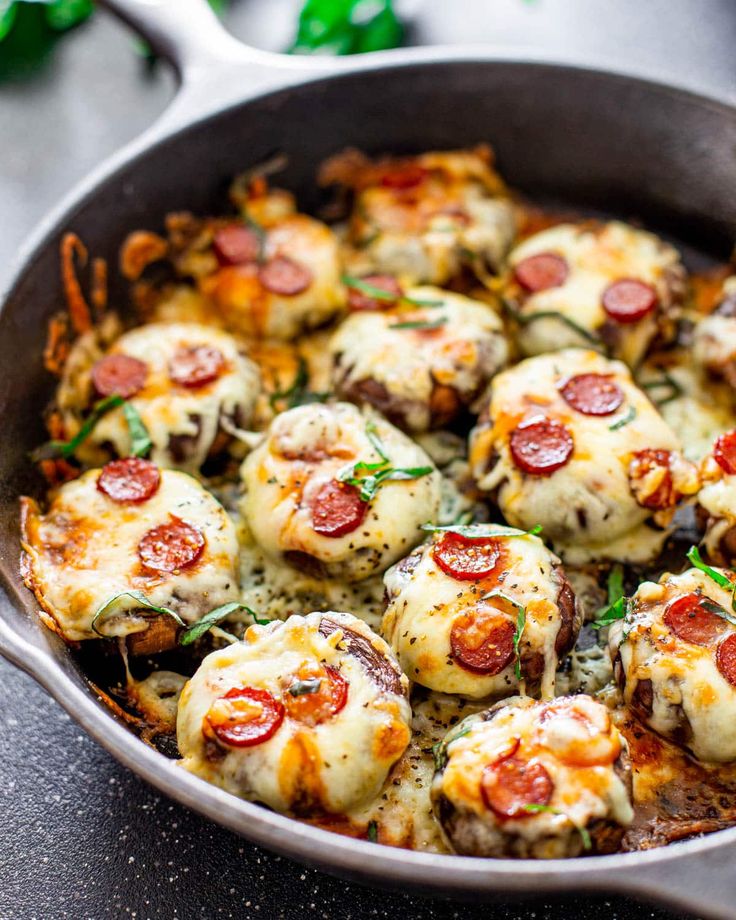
pixel 623 143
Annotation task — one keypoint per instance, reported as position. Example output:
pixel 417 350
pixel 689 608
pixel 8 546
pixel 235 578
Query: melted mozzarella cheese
pixel 84 550
pixel 183 422
pixel 424 603
pixel 718 499
pixel 582 794
pixel 337 764
pixel 247 307
pixel 586 508
pixel 308 447
pixel 596 255
pixel 464 353
pixel 458 215
pixel 692 703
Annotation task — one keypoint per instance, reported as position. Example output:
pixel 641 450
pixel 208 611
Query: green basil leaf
pixel 624 420
pixel 346 27
pixel 61 15
pixel 693 554
pixel 198 629
pixel 8 12
pixel 707 604
pixel 298 394
pixel 371 432
pixel 304 687
pixel 666 381
pixel 616 611
pixel 378 293
pixel 524 319
pixel 55 449
pixel 439 750
pixel 373 831
pixel 421 324
pixel 110 606
pixel 520 624
pixel 140 440
pixel 483 530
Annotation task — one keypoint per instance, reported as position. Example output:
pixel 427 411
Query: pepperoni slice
pixel 724 452
pixel 244 717
pixel 510 785
pixel 726 658
pixel 315 694
pixel 282 275
pixel 693 622
pixel 404 177
pixel 541 446
pixel 593 394
pixel 360 300
pixel 628 300
pixel 171 546
pixel 482 642
pixel 466 558
pixel 132 480
pixel 196 366
pixel 119 375
pixel 540 272
pixel 337 509
pixel 236 244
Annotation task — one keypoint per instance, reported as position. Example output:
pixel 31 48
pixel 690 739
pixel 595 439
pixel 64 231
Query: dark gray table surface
pixel 80 837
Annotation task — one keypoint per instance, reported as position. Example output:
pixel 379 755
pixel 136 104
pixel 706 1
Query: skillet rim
pixel 438 873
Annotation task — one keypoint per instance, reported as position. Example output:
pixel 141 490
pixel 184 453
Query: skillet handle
pixel 214 68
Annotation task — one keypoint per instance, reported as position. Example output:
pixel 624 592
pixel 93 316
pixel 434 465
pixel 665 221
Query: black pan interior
pixel 590 140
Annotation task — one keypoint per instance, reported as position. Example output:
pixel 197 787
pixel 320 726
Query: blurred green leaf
pixel 8 12
pixel 65 14
pixel 347 27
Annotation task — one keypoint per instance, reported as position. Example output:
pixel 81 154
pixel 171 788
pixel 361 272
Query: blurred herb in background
pixel 325 26
pixel 347 27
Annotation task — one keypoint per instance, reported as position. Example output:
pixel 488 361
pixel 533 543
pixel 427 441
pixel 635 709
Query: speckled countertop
pixel 81 837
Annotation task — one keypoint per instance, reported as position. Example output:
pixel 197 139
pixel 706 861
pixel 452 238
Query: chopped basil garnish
pixel 439 750
pixel 369 477
pixel 110 607
pixel 483 530
pixel 520 623
pixel 378 293
pixel 624 420
pixel 421 324
pixel 203 625
pixel 707 604
pixel 257 229
pixel 303 687
pixel 140 440
pixel 533 808
pixel 693 554
pixel 616 611
pixel 373 831
pixel 53 450
pixel 524 319
pixel 298 394
pixel 666 381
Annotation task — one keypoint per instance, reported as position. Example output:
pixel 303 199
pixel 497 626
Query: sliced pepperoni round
pixel 315 695
pixel 171 546
pixel 726 658
pixel 482 642
pixel 196 366
pixel 403 177
pixel 282 275
pixel 628 300
pixel 359 300
pixel 724 452
pixel 466 558
pixel 593 394
pixel 132 480
pixel 236 244
pixel 541 271
pixel 690 619
pixel 337 509
pixel 119 375
pixel 509 786
pixel 541 446
pixel 244 717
